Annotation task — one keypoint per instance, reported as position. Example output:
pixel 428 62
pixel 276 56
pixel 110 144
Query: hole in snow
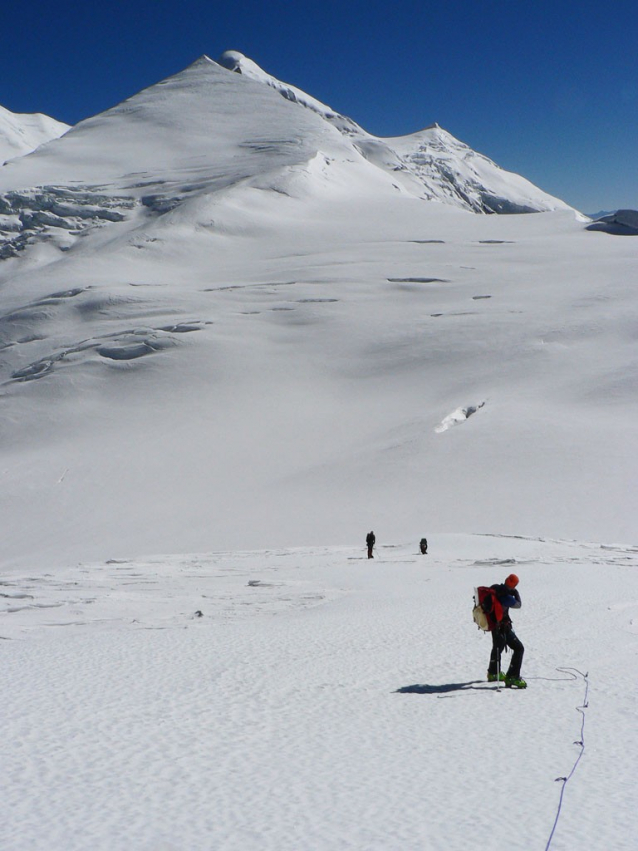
pixel 418 280
pixel 460 415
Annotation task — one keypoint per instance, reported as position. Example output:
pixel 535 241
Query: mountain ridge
pixel 22 133
pixel 450 182
pixel 430 164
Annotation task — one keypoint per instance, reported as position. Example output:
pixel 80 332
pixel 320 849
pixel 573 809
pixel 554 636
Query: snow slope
pixel 21 134
pixel 247 334
pixel 328 340
pixel 203 128
pixel 308 698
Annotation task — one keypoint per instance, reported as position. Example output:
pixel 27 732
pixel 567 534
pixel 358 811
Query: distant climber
pixel 423 546
pixel 503 636
pixel 370 542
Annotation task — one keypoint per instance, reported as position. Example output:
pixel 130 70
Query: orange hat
pixel 512 580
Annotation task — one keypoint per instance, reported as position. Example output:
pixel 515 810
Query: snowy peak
pixel 431 163
pixel 217 124
pixel 22 133
pixel 240 64
pixel 234 61
pixel 197 133
pixel 203 127
pixel 451 171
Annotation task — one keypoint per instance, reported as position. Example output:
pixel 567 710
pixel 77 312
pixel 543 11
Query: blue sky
pixel 546 89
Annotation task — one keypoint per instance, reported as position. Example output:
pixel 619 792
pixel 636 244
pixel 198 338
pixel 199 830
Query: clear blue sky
pixel 546 89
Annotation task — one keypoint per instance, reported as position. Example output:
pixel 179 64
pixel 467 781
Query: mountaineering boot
pixel 491 678
pixel 514 682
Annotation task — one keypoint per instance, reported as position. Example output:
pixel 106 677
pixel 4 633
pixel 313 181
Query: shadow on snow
pixel 444 688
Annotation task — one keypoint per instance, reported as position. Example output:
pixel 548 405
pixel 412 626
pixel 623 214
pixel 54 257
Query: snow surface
pixel 22 133
pixel 310 698
pixel 233 331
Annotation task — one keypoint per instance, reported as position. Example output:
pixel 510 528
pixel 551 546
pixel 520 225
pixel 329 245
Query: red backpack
pixel 488 611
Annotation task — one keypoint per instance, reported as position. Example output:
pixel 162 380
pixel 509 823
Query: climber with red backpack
pixel 491 613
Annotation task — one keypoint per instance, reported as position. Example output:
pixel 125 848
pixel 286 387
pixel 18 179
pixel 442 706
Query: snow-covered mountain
pixel 432 164
pixel 211 129
pixel 600 214
pixel 237 332
pixel 21 134
pixel 232 314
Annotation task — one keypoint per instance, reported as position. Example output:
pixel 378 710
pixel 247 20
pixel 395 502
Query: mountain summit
pixel 431 164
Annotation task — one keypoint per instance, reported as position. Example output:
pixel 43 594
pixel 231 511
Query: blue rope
pixel 581 743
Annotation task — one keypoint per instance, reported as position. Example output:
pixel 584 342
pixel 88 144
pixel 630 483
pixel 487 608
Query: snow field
pixel 347 374
pixel 333 702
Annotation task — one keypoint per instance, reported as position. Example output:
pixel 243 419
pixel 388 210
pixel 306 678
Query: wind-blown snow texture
pixel 309 698
pixel 234 323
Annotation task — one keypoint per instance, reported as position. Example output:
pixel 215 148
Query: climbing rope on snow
pixel 574 673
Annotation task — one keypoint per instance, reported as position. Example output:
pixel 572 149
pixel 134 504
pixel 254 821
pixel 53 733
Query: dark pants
pixel 370 551
pixel 502 638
